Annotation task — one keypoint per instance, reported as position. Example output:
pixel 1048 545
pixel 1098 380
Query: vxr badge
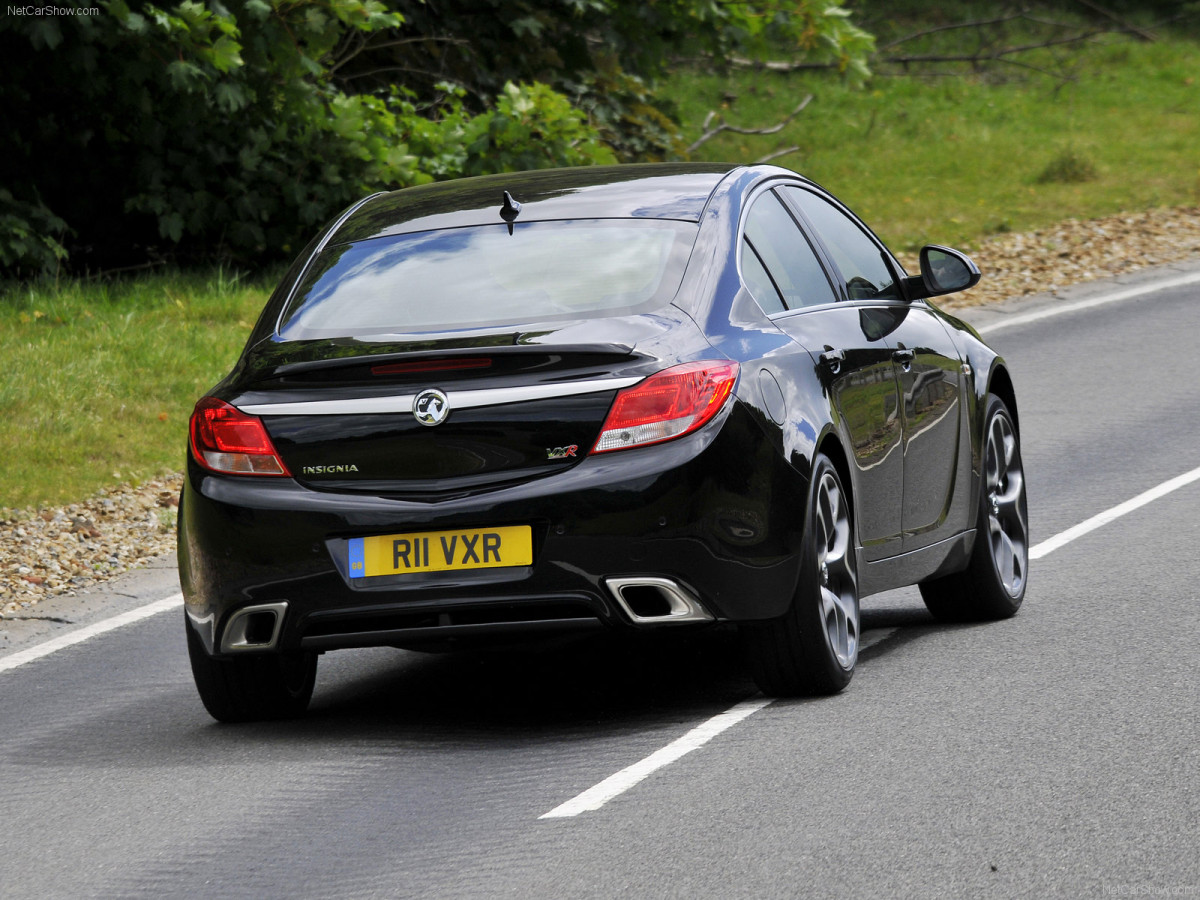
pixel 561 452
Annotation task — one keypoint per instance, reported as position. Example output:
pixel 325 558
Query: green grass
pixel 955 158
pixel 100 378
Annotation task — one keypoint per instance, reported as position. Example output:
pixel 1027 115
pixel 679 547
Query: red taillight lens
pixel 225 439
pixel 667 405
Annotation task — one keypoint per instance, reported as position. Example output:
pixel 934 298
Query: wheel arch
pixel 831 446
pixel 1000 384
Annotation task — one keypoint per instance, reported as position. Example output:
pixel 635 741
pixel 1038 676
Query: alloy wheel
pixel 839 588
pixel 1007 526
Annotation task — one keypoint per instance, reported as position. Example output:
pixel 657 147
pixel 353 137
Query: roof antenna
pixel 510 210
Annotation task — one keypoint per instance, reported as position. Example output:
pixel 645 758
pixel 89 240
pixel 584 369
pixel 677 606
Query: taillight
pixel 225 439
pixel 667 405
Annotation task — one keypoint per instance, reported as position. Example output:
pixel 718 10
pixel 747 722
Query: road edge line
pixel 1059 309
pixel 23 657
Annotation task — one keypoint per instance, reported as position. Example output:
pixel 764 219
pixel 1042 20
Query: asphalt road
pixel 1054 754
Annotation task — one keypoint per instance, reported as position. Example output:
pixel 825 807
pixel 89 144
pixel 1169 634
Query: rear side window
pixel 758 280
pixel 480 277
pixel 784 253
pixel 860 259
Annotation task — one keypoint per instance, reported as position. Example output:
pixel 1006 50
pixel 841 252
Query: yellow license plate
pixel 441 551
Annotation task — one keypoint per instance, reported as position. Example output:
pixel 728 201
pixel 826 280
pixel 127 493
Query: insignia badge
pixel 430 407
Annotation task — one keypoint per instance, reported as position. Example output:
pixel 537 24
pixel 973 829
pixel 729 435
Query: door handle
pixel 832 359
pixel 905 357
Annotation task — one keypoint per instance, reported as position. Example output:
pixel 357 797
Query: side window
pixel 857 255
pixel 758 280
pixel 780 247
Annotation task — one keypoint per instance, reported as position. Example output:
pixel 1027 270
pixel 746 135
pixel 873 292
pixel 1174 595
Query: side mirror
pixel 943 271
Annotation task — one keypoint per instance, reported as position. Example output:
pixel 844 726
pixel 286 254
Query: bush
pixel 207 131
pixel 1069 167
pixel 30 237
pixel 214 130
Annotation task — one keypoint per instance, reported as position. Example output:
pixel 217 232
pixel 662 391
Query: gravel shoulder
pixel 58 563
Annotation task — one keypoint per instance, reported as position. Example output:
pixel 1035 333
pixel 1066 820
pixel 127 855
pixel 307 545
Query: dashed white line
pixel 1096 521
pixel 595 797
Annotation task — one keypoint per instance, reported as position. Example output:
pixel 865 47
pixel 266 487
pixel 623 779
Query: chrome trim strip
pixel 403 403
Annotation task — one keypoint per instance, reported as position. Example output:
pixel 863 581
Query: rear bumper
pixel 714 514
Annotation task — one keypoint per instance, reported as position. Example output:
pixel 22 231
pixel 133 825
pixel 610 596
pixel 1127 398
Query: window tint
pixel 857 256
pixel 471 277
pixel 785 252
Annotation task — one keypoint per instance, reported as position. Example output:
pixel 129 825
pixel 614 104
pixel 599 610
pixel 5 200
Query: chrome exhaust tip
pixel 254 628
pixel 648 600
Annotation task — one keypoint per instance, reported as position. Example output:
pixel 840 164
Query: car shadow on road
pixel 577 689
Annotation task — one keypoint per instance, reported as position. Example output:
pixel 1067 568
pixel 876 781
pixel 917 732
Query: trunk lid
pixel 497 409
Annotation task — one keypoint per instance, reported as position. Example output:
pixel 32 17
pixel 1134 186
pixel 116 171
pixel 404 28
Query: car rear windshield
pixel 483 276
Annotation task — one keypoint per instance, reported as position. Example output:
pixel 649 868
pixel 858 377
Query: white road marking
pixel 595 797
pixel 1059 309
pixel 1076 531
pixel 71 638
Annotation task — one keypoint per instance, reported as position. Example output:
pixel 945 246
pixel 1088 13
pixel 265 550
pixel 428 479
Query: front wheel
pixel 254 686
pixel 813 647
pixel 992 585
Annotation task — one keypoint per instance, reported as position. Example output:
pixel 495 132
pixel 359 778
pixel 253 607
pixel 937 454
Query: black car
pixel 627 398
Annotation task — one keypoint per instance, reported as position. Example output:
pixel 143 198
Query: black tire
pixel 992 586
pixel 813 647
pixel 252 687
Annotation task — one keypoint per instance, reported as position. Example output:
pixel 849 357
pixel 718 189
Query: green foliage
pixel 481 44
pixel 530 127
pixel 231 129
pixel 174 130
pixel 218 129
pixel 629 116
pixel 30 236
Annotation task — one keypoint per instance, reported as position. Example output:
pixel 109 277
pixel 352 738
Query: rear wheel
pixel 252 687
pixel 813 647
pixel 993 584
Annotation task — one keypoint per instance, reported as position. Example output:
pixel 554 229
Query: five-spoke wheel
pixel 993 584
pixel 813 647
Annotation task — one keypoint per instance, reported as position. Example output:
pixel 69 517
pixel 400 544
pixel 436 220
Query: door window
pixel 784 253
pixel 860 259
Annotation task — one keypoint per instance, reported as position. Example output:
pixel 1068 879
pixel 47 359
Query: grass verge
pixel 100 377
pixel 956 158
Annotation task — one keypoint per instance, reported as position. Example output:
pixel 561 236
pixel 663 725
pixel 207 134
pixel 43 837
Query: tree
pixel 233 129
